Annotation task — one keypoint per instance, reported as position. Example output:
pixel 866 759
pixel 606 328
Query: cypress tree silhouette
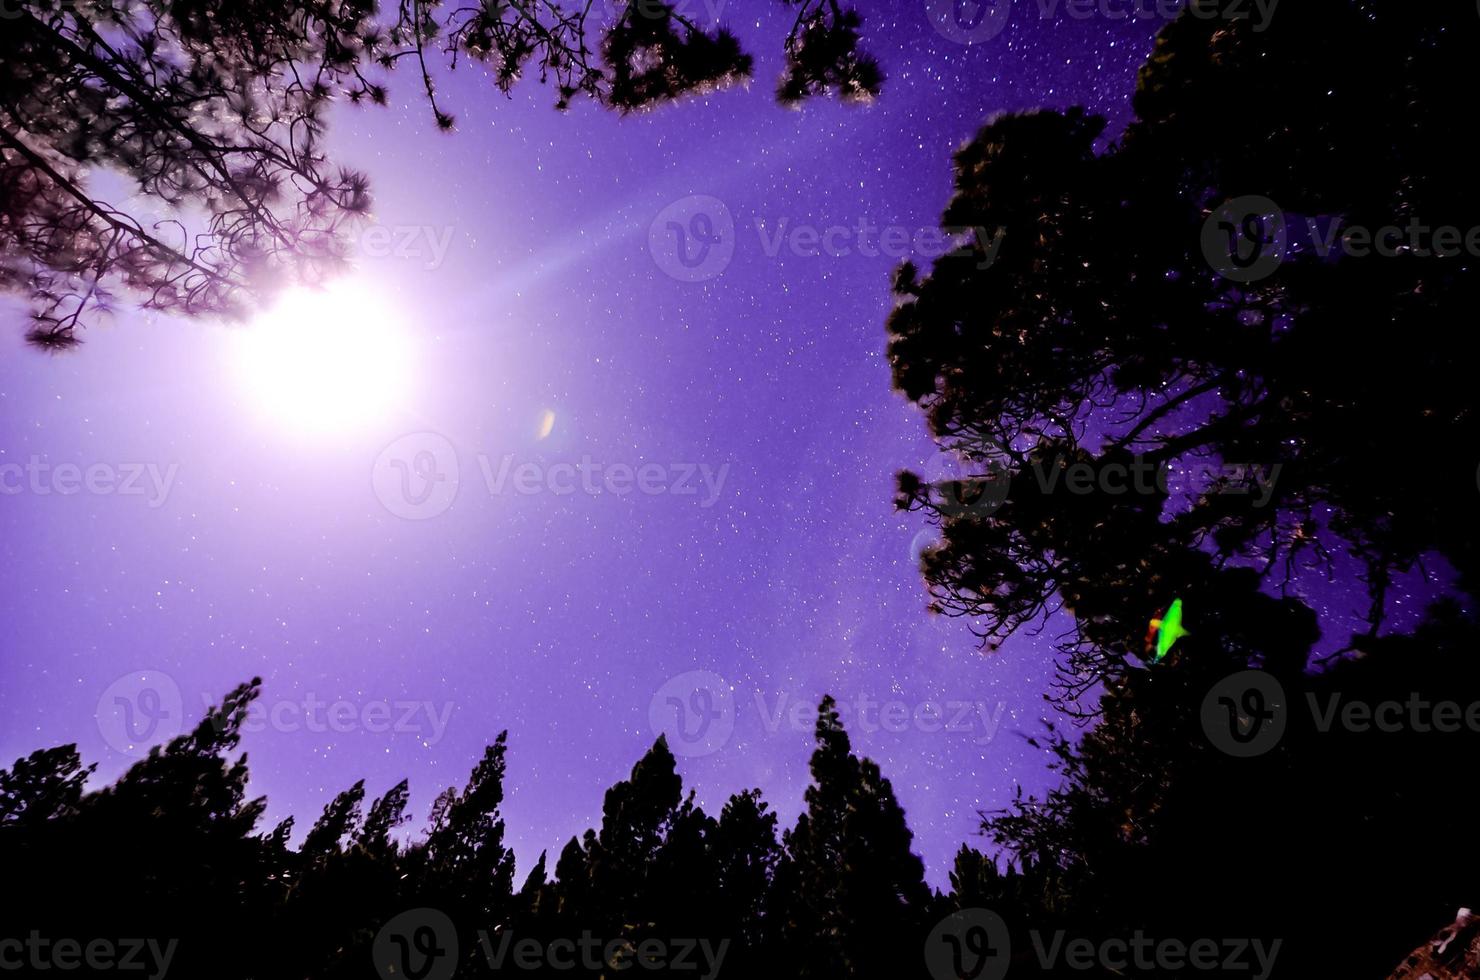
pixel 746 854
pixel 386 814
pixel 711 893
pixel 635 817
pixel 463 867
pixel 850 878
pixel 336 826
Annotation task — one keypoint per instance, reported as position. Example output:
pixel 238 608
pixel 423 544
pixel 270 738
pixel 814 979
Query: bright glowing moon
pixel 324 360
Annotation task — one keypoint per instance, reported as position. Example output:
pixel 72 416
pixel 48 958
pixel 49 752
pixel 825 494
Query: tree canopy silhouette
pixel 1103 337
pixel 1152 830
pixel 220 107
pixel 1110 334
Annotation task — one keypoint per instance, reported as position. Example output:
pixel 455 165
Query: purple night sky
pixel 559 616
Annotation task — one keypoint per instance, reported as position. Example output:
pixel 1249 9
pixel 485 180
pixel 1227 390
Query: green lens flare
pixel 1166 631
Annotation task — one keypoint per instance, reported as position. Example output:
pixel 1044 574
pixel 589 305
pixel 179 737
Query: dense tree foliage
pixel 215 110
pixel 1324 399
pixel 1103 335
